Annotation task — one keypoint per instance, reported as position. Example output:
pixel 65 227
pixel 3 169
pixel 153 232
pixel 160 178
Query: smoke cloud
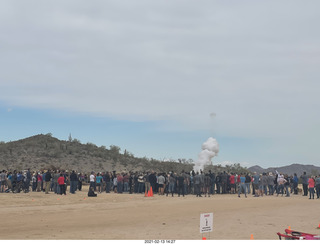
pixel 210 148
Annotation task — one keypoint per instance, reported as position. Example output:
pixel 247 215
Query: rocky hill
pixel 41 152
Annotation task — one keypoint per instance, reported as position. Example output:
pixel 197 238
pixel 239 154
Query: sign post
pixel 206 223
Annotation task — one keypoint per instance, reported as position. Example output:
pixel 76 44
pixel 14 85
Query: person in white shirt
pixel 93 180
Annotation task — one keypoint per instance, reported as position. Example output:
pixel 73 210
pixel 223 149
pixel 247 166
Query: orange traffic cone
pixel 318 226
pixel 151 192
pixel 251 238
pixel 204 238
pixel 289 228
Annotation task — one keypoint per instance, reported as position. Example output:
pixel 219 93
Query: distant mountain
pixel 290 169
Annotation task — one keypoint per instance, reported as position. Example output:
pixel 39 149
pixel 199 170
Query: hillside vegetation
pixel 41 152
pixel 45 151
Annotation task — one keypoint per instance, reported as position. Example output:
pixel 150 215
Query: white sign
pixel 206 222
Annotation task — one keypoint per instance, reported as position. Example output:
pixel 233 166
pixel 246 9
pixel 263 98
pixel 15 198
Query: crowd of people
pixel 171 183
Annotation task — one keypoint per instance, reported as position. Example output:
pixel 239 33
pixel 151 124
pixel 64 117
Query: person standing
pixel 61 182
pixel 27 181
pixel 115 182
pixel 218 183
pixel 34 182
pixel 66 179
pixel 180 184
pixel 146 183
pixel 136 182
pixel 213 181
pixel 311 184
pixel 264 184
pixel 39 181
pixel 120 183
pixel 3 180
pixel 92 180
pixel 47 180
pixel 295 184
pixel 242 187
pixel 281 181
pixel 207 185
pixel 256 179
pixel 131 182
pixel 304 178
pixel 197 184
pixel 232 184
pixel 14 181
pixel 161 183
pixel 108 182
pixel 224 181
pixel 126 178
pixel 80 180
pixel 99 182
pixel 287 184
pixel 56 187
pixel 153 181
pixel 317 182
pixel 270 183
pixel 172 181
pixel 248 182
pixel 140 182
pixel 73 182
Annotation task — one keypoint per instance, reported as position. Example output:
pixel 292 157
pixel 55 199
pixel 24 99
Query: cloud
pixel 170 61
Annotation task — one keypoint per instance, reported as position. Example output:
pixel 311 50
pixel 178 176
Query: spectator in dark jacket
pixel 73 182
pixel 153 180
pixel 47 179
pixel 91 192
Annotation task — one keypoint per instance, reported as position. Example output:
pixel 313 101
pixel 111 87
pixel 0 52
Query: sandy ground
pixel 35 216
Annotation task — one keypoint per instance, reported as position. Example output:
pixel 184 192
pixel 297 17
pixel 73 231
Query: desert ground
pixel 37 216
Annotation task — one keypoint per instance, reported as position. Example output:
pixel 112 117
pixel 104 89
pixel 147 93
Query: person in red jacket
pixel 311 182
pixel 62 185
pixel 232 183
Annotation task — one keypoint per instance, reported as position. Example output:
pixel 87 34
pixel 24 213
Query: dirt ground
pixel 37 216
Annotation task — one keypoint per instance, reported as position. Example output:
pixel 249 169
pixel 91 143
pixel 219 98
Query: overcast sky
pixel 160 77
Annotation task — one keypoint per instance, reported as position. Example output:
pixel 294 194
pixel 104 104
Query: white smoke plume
pixel 210 148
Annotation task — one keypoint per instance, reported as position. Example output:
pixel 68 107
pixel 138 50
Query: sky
pixel 158 78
